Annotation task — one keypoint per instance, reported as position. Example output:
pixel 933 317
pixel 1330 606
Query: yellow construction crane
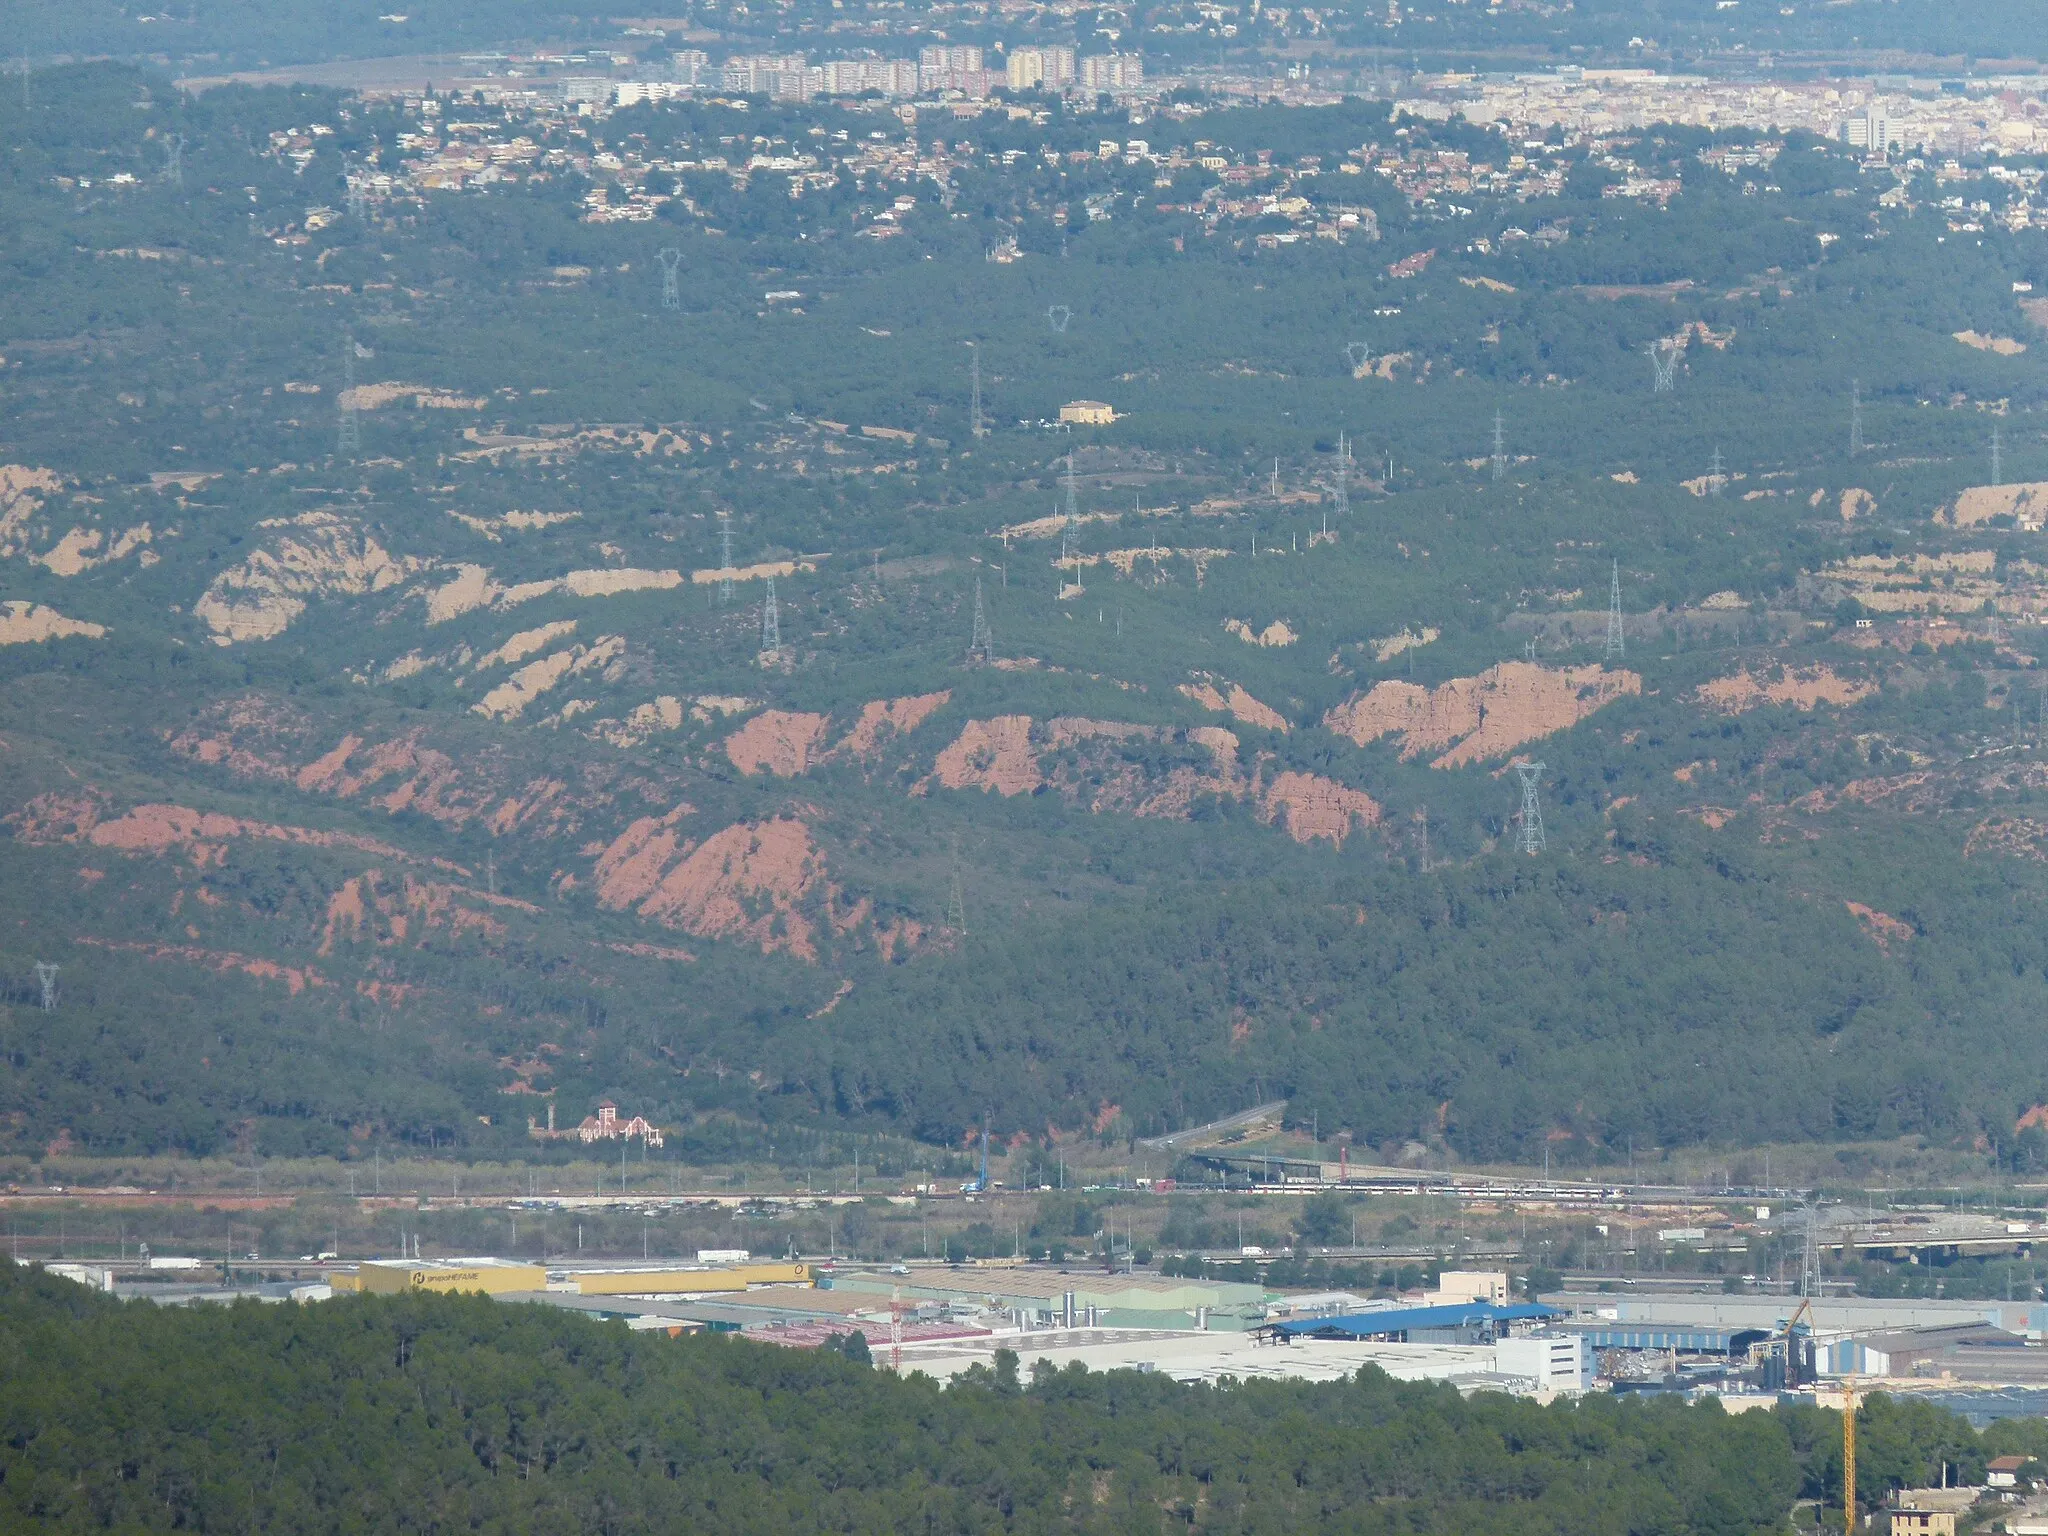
pixel 1848 1420
pixel 1848 1460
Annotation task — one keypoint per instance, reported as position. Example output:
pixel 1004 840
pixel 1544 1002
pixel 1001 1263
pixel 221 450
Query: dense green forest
pixel 428 1413
pixel 332 881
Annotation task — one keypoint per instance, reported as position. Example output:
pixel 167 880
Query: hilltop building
pixel 605 1125
pixel 1087 413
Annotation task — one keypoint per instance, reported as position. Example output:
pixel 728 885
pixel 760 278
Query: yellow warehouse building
pixel 392 1277
pixel 677 1282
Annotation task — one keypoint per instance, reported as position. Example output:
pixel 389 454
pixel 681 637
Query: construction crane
pixel 1785 1344
pixel 1848 1460
pixel 1786 1341
pixel 896 1329
pixel 1792 1327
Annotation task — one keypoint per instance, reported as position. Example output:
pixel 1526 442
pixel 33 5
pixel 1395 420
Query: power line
pixel 1616 644
pixel 348 439
pixel 1664 359
pixel 1343 487
pixel 981 647
pixel 174 160
pixel 47 975
pixel 1069 534
pixel 1531 839
pixel 956 896
pixel 1715 478
pixel 975 425
pixel 771 624
pixel 671 261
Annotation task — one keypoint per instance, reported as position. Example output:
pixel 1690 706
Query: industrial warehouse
pixel 1983 1359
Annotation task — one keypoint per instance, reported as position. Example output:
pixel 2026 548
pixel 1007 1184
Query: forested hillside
pixel 393 789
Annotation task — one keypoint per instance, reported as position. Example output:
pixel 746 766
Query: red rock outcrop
pixel 991 754
pixel 1313 807
pixel 1470 719
pixel 881 719
pixel 1801 687
pixel 748 881
pixel 162 829
pixel 777 741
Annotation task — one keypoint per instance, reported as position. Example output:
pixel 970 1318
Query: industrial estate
pixel 872 767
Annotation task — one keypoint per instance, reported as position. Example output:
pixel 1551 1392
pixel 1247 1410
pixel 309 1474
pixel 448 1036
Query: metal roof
pixel 1403 1320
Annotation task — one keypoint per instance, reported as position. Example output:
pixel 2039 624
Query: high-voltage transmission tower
pixel 1059 316
pixel 1070 530
pixel 1664 359
pixel 956 897
pixel 1531 839
pixel 1855 417
pixel 1275 483
pixel 1715 479
pixel 975 425
pixel 47 975
pixel 1343 486
pixel 355 195
pixel 771 623
pixel 348 437
pixel 981 647
pixel 725 557
pixel 1500 447
pixel 1997 467
pixel 1359 356
pixel 1616 644
pixel 174 160
pixel 671 261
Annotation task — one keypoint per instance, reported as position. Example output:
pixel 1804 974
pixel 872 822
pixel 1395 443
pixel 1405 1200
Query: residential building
pixel 1112 72
pixel 1050 69
pixel 1928 1511
pixel 850 77
pixel 1869 130
pixel 783 77
pixel 952 68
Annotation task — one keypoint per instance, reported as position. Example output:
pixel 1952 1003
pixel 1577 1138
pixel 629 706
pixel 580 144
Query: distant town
pixel 574 113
